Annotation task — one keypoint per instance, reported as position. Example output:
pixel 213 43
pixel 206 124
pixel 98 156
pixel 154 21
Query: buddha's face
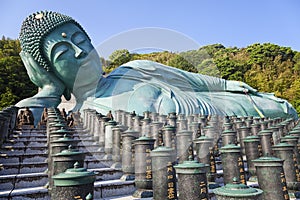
pixel 74 59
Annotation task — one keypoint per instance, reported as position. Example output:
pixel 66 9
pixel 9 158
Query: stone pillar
pixel 285 152
pixel 129 118
pixel 162 119
pixel 181 125
pixel 271 178
pixel 155 127
pixel 74 182
pixel 103 121
pixel 228 137
pixel 137 123
pixel 162 159
pixel 248 122
pixel 124 120
pixel 195 127
pixel 244 131
pixel 232 162
pixel 227 126
pixel 237 191
pixel 205 154
pixel 116 151
pixel 203 121
pixel 96 126
pixel 118 116
pixel 169 136
pixel 146 127
pixel 172 118
pixel 143 167
pixel 128 154
pixel 264 125
pixel 255 128
pixel 190 119
pixel 275 135
pixel 154 116
pixel 108 145
pixel 192 181
pixel 252 152
pixel 183 143
pixel 266 142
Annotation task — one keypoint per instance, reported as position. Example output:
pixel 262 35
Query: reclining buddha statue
pixel 61 60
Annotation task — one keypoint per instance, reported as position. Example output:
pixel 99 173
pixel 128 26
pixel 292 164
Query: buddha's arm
pixel 51 87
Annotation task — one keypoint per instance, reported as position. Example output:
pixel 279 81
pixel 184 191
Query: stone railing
pixel 8 118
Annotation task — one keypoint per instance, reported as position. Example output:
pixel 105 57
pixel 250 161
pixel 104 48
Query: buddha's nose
pixel 78 52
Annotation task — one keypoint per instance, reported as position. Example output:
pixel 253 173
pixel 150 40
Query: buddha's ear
pixel 67 94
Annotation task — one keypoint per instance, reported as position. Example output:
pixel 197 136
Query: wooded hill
pixel 266 67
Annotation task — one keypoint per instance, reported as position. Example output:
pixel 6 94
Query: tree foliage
pixel 14 81
pixel 266 67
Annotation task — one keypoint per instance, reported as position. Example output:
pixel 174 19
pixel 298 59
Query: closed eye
pixel 78 38
pixel 60 50
pixel 82 40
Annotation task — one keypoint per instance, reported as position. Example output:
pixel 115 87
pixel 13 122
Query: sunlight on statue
pixel 60 59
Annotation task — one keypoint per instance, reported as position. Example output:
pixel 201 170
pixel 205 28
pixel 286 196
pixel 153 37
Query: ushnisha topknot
pixel 34 30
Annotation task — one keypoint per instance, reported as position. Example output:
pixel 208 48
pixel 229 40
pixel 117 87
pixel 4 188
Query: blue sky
pixel 231 22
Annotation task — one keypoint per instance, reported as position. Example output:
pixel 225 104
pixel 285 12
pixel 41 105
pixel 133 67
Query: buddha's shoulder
pixel 143 65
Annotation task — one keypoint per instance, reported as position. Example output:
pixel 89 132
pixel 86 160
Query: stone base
pixel 127 177
pixel 140 193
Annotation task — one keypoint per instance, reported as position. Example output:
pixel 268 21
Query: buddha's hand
pixel 50 84
pixel 239 86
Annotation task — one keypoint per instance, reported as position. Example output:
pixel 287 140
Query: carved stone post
pixel 102 123
pixel 108 145
pixel 252 152
pixel 285 152
pixel 128 154
pixel 266 142
pixel 232 162
pixel 228 137
pixel 192 181
pixel 271 178
pixel 244 131
pixel 143 167
pixel 116 151
pixel 169 136
pixel 155 127
pixel 164 184
pixel 183 143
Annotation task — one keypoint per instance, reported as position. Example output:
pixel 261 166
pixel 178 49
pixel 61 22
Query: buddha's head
pixel 60 45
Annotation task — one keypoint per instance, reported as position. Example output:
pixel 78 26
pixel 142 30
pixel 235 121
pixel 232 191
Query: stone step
pixel 12 157
pixel 103 190
pixel 22 168
pixel 34 167
pixel 18 181
pixel 16 157
pixel 5 149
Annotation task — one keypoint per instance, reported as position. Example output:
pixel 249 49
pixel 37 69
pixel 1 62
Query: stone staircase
pixel 23 167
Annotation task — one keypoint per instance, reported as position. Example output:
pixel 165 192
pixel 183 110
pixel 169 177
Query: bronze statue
pixel 60 59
